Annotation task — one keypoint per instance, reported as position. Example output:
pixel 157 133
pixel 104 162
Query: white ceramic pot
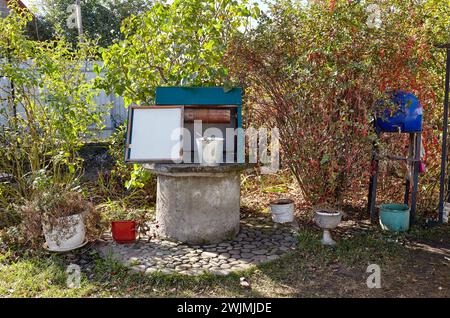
pixel 282 210
pixel 327 221
pixel 210 150
pixel 68 233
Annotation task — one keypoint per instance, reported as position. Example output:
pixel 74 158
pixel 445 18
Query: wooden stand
pixel 413 160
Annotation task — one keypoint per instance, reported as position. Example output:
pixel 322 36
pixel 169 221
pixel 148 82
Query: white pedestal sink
pixel 327 221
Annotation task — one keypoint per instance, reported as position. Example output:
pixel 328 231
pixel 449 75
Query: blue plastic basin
pixel 394 217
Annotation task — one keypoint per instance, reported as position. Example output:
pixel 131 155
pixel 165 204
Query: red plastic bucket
pixel 124 231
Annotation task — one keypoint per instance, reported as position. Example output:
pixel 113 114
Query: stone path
pixel 259 240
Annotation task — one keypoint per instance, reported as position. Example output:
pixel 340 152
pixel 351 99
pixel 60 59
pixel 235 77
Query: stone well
pixel 198 204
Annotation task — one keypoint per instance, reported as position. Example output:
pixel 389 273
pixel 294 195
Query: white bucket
pixel 282 210
pixel 210 150
pixel 68 233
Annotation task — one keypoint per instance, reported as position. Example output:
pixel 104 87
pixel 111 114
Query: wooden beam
pixel 443 46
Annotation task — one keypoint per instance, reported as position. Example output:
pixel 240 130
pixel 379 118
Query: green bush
pixel 49 110
pixel 181 43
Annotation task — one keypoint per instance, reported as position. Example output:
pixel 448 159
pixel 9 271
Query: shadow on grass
pixel 312 270
pixel 341 271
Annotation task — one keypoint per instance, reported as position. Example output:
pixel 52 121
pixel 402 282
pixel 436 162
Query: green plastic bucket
pixel 394 217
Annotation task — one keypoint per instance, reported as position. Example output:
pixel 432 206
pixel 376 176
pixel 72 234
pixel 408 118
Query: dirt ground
pixel 415 264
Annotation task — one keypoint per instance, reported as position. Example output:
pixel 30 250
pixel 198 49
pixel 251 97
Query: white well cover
pixel 155 134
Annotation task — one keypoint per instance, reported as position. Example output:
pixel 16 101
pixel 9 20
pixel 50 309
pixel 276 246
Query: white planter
pixel 327 221
pixel 210 150
pixel 282 210
pixel 68 233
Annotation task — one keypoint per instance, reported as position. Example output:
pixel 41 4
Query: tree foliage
pixel 101 18
pixel 319 78
pixel 181 43
pixel 49 105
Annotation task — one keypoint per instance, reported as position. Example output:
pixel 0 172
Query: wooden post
pixel 410 165
pixel 444 136
pixel 373 183
pixel 416 166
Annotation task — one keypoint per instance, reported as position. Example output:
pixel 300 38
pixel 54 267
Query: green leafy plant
pixel 50 106
pixel 118 211
pixel 130 184
pixel 138 178
pixel 47 113
pixel 181 43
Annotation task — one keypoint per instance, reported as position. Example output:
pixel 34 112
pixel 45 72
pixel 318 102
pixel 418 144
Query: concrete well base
pixel 198 204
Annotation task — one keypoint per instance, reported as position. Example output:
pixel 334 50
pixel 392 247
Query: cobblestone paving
pixel 259 240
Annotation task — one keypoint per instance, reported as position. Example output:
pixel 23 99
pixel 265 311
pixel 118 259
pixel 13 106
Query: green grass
pixel 438 233
pixel 43 275
pixel 37 276
pixel 359 249
pixel 312 270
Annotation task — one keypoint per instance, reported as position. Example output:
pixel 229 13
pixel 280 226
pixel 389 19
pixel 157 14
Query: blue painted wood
pixel 198 96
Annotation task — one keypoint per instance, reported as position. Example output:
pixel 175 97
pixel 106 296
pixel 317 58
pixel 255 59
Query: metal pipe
pixel 11 82
pixel 410 165
pixel 444 137
pixel 415 177
pixel 372 197
pixel 79 21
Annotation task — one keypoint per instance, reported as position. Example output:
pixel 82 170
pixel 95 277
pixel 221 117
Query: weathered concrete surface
pixel 198 209
pixel 196 169
pixel 198 204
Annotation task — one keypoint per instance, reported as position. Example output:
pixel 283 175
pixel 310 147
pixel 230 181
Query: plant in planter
pixel 126 223
pixel 124 229
pixel 62 215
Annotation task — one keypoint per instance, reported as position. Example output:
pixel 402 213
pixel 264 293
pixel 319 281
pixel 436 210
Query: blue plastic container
pixel 394 217
pixel 407 118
